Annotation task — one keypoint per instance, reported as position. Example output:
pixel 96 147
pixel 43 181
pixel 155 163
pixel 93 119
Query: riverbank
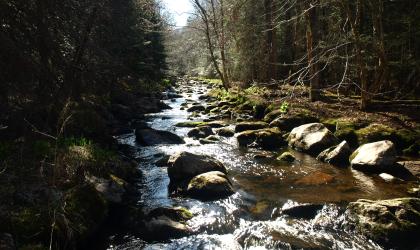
pixel 60 190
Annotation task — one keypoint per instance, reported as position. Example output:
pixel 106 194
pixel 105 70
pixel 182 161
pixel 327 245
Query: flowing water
pixel 249 219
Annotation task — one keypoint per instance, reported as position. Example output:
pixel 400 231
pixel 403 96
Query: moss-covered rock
pixel 391 222
pixel 200 132
pixel 273 115
pixel 85 210
pixel 374 132
pixel 286 157
pixel 179 214
pixel 293 118
pixel 311 138
pixel 190 124
pixel 268 138
pixel 244 126
pixel 226 132
pixel 402 138
pixel 210 186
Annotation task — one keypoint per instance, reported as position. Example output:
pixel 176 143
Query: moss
pixel 374 132
pixel 190 124
pixel 273 115
pixel 330 123
pixel 286 157
pixel 353 155
pixel 346 131
pixel 402 138
pixel 85 210
pixel 120 182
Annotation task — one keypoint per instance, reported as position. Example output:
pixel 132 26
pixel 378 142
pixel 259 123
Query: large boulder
pixel 185 165
pixel 394 223
pixel 268 138
pixel 150 137
pixel 210 186
pixel 244 126
pixel 312 138
pixel 336 155
pixel 374 157
pixel 200 132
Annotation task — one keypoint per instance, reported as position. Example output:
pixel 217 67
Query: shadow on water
pixel 247 219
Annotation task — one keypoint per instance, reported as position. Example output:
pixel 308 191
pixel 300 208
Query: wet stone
pixel 200 132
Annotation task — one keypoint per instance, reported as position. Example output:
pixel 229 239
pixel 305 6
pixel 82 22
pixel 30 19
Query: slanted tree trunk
pixel 205 18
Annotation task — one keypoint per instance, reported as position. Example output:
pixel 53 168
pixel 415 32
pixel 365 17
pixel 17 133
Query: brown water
pixel 246 219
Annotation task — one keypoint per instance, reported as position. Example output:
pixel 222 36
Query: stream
pixel 250 219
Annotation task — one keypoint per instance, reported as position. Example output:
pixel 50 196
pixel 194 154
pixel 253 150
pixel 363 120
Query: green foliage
pixel 284 108
pixel 75 141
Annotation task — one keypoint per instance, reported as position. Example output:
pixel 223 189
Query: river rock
pixel 200 132
pixel 112 190
pixel 225 132
pixel 286 157
pixel 209 140
pixel 389 178
pixel 393 222
pixel 209 186
pixel 244 126
pixel 150 137
pixel 268 138
pixel 178 214
pixel 163 228
pixel 217 124
pixel 185 165
pixel 311 138
pixel 374 157
pixel 304 211
pixel 336 155
pixel 196 108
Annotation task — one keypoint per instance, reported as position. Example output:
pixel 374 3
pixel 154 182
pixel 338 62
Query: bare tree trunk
pixel 381 70
pixel 222 42
pixel 312 38
pixel 205 18
pixel 354 21
pixel 271 40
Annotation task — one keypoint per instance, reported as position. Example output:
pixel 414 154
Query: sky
pixel 179 10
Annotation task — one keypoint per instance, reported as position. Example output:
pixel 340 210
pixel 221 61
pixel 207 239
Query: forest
pixel 270 124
